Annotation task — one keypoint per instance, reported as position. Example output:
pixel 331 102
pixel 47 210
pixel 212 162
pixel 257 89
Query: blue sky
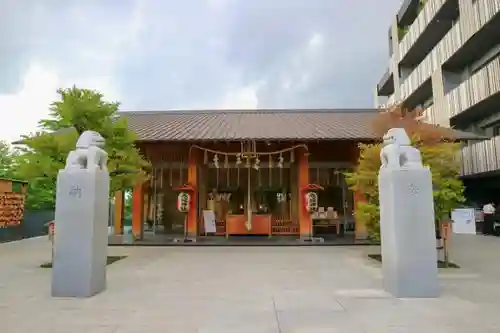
pixel 191 54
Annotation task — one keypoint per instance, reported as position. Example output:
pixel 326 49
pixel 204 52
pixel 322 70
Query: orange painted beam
pixel 137 212
pixel 118 212
pixel 192 179
pixel 305 220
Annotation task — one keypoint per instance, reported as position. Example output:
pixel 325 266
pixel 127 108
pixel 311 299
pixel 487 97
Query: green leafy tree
pixel 7 160
pixel 438 152
pixel 44 153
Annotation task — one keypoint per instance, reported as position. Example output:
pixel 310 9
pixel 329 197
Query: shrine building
pixel 249 171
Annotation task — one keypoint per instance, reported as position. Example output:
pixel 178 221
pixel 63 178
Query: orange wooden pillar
pixel 118 213
pixel 192 179
pixel 138 211
pixel 359 227
pixel 305 220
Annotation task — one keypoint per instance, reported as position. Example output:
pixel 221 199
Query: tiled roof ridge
pixel 247 111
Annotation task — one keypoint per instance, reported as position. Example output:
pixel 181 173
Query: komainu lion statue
pixel 398 152
pixel 88 153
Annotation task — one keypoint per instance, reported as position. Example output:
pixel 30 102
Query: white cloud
pixel 88 61
pixel 217 4
pixel 245 98
pixel 23 109
pixel 103 84
pixel 31 102
pixel 316 40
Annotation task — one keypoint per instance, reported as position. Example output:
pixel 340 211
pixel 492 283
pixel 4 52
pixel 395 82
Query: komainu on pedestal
pixel 82 212
pixel 398 151
pixel 409 257
pixel 88 153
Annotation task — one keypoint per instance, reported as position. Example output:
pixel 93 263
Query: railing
pixel 423 19
pixel 481 157
pixel 384 79
pixel 478 87
pixel 450 43
pixel 480 13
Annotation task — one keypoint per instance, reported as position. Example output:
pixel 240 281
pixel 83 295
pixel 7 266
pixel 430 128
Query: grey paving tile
pixel 311 320
pixel 69 327
pixel 299 299
pixel 323 330
pixel 424 327
pixel 242 328
pixel 158 327
pixel 315 290
pixel 237 319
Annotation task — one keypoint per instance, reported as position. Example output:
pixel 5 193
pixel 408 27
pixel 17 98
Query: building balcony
pixel 408 12
pixel 481 157
pixel 477 97
pixel 433 21
pixel 385 87
pixel 441 52
pixel 459 47
pixel 480 32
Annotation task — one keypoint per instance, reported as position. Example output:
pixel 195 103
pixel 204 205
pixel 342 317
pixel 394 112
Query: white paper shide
pixel 82 212
pixel 409 256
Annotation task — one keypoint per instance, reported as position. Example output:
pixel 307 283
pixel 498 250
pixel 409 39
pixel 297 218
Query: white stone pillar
pixel 82 212
pixel 408 240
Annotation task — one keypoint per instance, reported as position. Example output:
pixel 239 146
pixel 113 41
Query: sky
pixel 191 54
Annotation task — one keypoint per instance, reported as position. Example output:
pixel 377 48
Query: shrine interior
pixel 251 181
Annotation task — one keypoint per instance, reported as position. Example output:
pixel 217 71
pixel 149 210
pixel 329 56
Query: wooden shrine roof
pixel 316 124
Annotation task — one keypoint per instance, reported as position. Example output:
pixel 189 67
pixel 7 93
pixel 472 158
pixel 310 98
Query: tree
pixel 44 153
pixel 439 152
pixel 7 160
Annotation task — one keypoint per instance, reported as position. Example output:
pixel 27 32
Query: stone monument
pixel 82 212
pixel 409 256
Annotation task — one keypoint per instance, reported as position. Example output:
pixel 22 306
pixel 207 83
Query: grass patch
pixel 111 259
pixel 440 263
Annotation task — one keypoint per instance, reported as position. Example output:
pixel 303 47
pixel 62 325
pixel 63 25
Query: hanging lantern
pixel 216 161
pixel 280 161
pixel 311 202
pixel 280 197
pixel 238 159
pixel 183 201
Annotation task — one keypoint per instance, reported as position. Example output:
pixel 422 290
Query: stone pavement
pixel 251 290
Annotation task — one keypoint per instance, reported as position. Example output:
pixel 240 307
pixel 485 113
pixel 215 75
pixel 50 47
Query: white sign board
pixel 209 221
pixel 464 221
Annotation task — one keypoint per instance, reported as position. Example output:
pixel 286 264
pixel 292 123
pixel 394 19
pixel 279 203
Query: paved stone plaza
pixel 251 290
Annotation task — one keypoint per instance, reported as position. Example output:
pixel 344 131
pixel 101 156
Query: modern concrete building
pixel 445 57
